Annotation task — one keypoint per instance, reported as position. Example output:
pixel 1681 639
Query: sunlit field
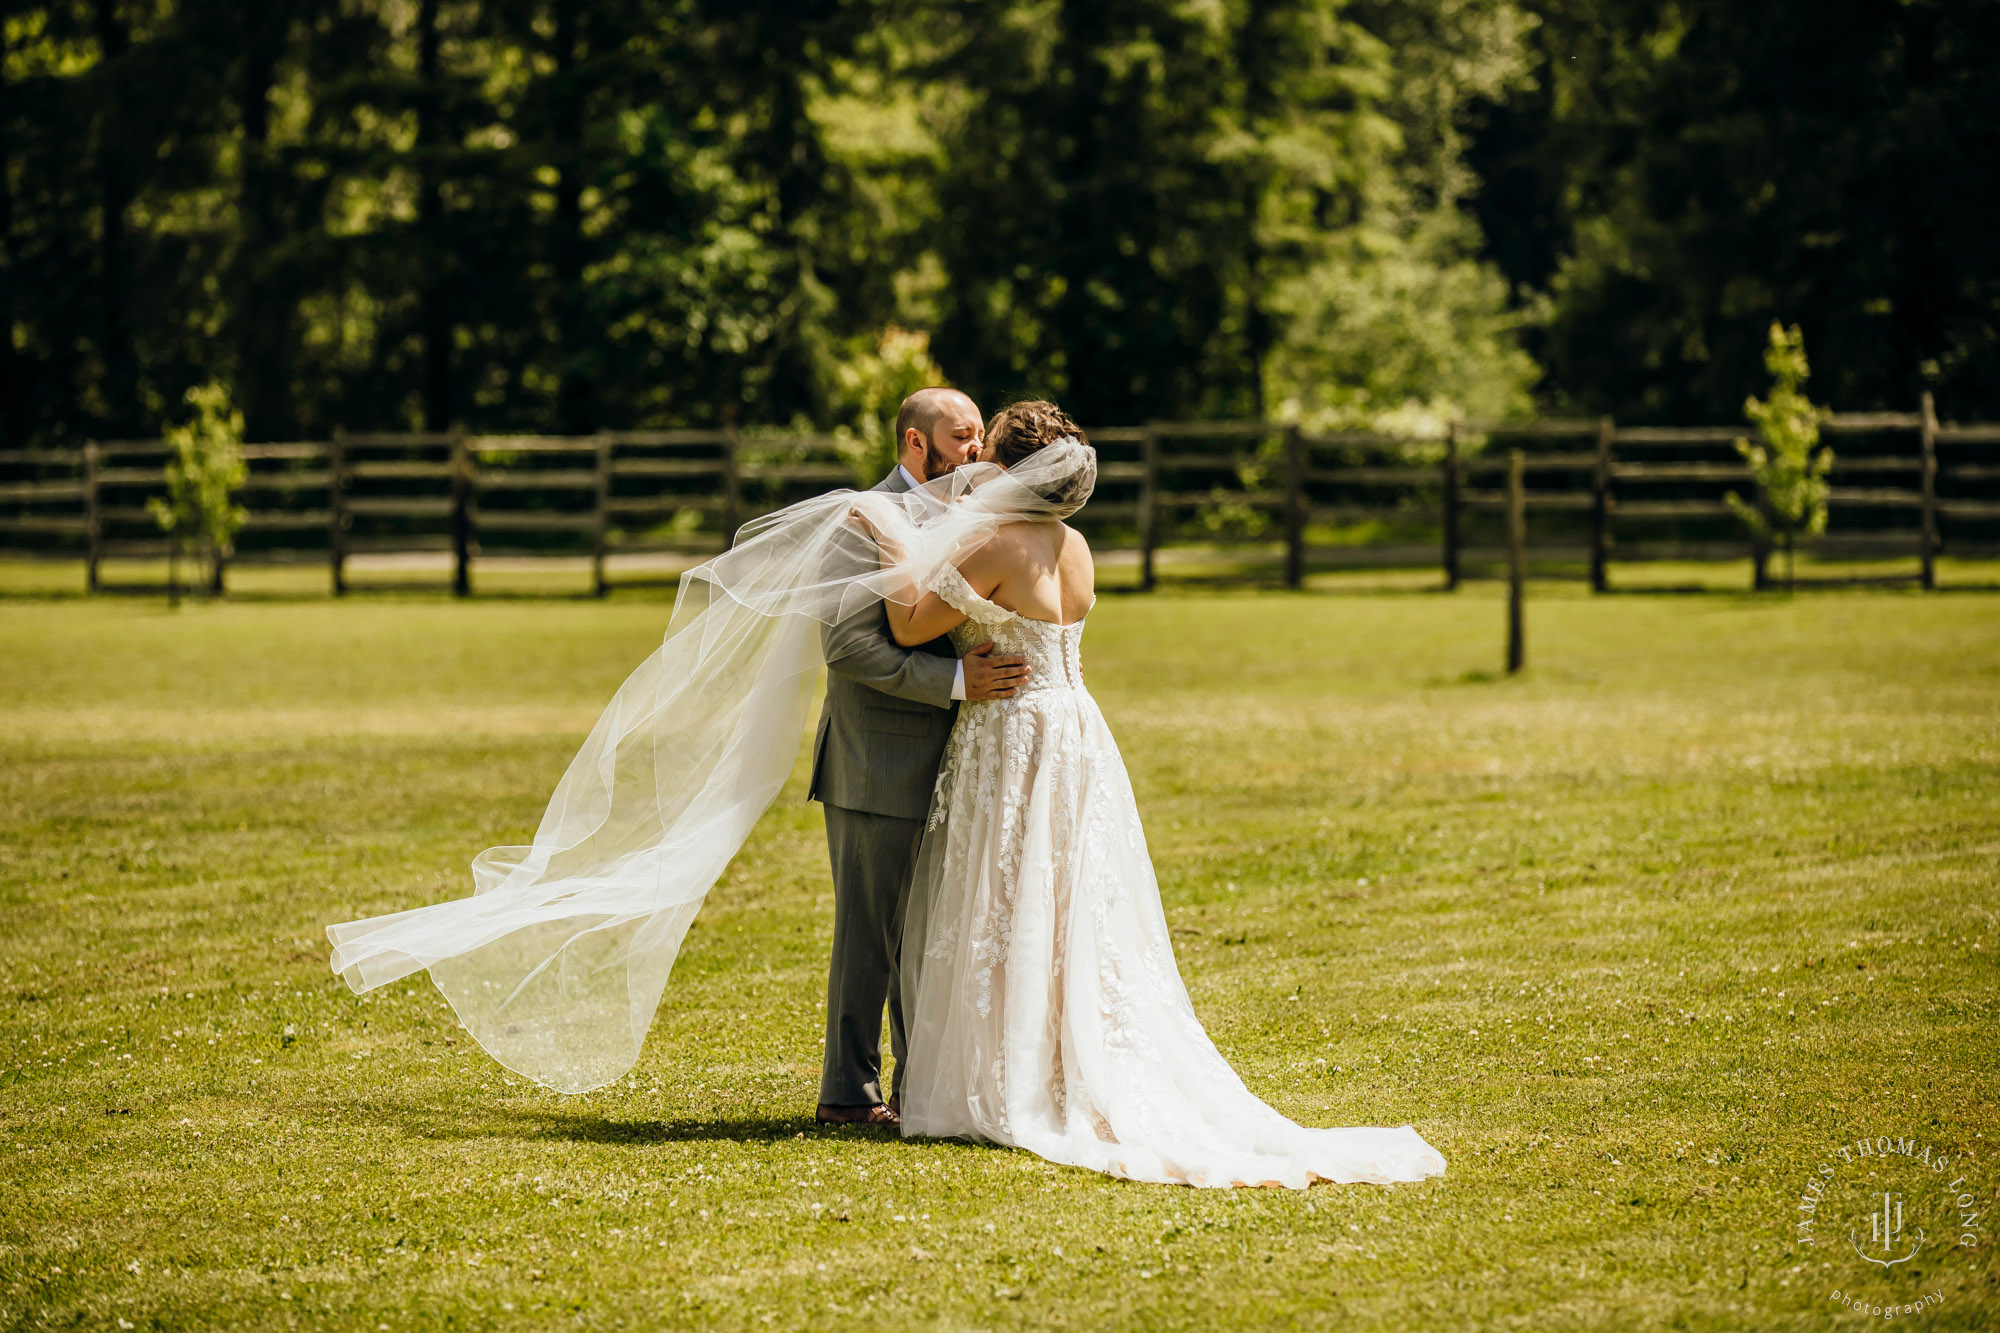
pixel 1637 940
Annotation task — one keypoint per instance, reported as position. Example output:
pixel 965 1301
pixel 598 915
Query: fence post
pixel 1295 508
pixel 1930 524
pixel 732 478
pixel 93 521
pixel 1149 504
pixel 1517 559
pixel 1451 507
pixel 218 567
pixel 1600 511
pixel 336 509
pixel 600 527
pixel 461 516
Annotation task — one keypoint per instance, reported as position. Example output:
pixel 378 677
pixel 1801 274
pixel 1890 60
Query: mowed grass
pixel 1636 940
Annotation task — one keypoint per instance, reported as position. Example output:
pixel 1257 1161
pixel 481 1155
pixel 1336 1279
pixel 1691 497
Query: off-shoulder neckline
pixel 972 595
pixel 1037 620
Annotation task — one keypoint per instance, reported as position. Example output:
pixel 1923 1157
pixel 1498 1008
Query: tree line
pixel 581 214
pixel 1677 177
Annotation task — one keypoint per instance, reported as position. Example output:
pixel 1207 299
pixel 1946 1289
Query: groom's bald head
pixel 922 409
pixel 936 430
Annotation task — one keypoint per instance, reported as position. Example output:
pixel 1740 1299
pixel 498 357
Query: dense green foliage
pixel 576 214
pixel 638 213
pixel 1678 176
pixel 1635 940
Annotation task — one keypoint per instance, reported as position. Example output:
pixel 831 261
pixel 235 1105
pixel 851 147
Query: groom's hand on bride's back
pixel 991 675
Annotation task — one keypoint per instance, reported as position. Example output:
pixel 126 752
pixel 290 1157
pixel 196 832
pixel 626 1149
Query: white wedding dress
pixel 1048 1012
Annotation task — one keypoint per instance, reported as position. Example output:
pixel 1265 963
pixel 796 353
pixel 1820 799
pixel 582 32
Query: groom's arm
pixel 865 653
pixel 860 648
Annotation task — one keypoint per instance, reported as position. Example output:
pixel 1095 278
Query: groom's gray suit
pixel 882 732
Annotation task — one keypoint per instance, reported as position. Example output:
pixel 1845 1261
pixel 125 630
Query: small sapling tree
pixel 199 512
pixel 1787 462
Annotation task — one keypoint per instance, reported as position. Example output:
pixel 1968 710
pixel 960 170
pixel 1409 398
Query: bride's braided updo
pixel 1024 429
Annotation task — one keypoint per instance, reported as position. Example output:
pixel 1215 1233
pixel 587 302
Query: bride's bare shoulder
pixel 1014 548
pixel 1073 558
pixel 994 557
pixel 1012 540
pixel 1032 539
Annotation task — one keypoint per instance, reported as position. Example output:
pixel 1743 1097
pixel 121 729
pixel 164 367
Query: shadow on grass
pixel 1474 677
pixel 585 1128
pixel 746 1129
pixel 531 1124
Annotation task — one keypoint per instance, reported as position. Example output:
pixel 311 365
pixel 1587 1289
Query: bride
pixel 1043 1002
pixel 1044 1006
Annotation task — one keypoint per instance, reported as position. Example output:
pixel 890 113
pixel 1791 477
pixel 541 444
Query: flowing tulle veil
pixel 557 961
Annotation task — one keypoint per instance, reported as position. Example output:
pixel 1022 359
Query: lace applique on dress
pixel 952 589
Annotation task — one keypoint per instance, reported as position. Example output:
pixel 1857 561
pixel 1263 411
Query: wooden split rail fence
pixel 1904 484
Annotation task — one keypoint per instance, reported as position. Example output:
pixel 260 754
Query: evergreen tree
pixel 1681 176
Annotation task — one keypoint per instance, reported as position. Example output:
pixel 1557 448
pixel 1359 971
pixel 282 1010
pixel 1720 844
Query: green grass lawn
pixel 1637 940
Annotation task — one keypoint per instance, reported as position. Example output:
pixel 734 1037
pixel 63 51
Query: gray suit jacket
pixel 888 708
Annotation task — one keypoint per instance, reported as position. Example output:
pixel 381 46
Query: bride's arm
pixel 916 616
pixel 919 619
pixel 926 617
pixel 906 604
pixel 858 645
pixel 923 620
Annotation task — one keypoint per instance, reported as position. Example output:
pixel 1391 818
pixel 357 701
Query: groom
pixel 881 738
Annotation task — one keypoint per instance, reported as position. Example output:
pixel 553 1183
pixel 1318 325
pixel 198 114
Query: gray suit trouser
pixel 874 861
pixel 881 735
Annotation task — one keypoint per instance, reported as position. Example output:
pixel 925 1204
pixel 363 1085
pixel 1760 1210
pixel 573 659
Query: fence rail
pixel 1903 484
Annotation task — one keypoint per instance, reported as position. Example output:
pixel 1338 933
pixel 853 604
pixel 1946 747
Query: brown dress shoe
pixel 878 1115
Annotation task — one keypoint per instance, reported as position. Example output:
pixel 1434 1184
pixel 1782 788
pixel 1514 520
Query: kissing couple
pixel 991 877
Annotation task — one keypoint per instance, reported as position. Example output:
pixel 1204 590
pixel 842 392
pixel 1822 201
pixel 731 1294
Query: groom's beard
pixel 936 464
